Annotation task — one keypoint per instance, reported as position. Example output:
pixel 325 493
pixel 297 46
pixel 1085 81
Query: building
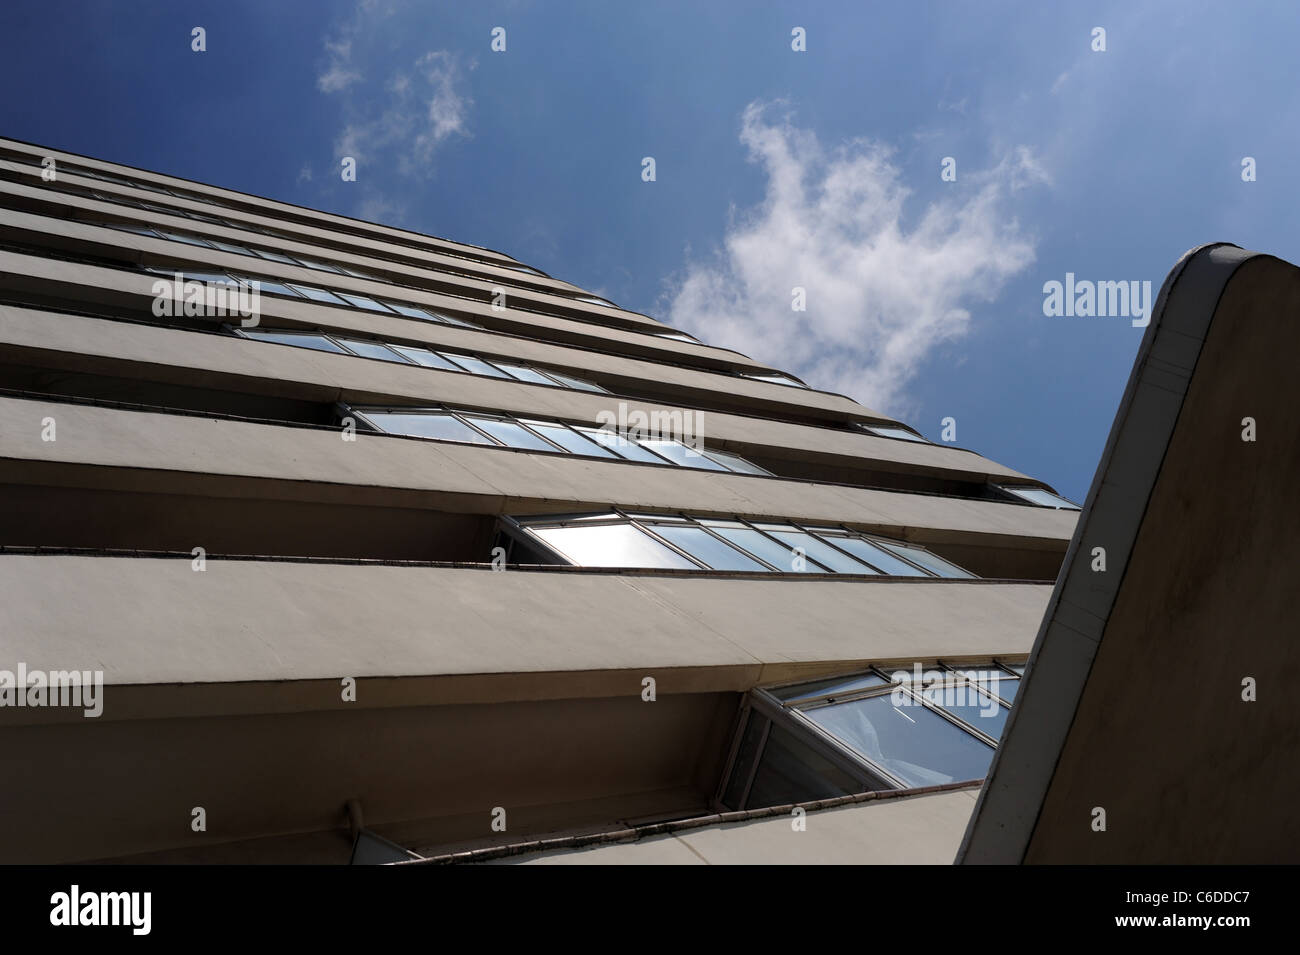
pixel 1157 727
pixel 392 547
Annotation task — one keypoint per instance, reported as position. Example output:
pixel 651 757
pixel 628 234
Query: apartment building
pixel 383 547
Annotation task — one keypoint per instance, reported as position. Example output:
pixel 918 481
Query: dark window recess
pixel 161 395
pixel 146 520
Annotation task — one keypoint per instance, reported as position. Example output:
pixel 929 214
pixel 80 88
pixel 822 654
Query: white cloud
pixel 402 123
pixel 338 73
pixel 424 109
pixel 880 296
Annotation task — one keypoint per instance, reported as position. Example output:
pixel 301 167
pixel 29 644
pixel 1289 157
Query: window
pixel 879 558
pixel 931 562
pixel 410 311
pixel 452 320
pixel 317 294
pixel 764 547
pixel 886 431
pixel 622 446
pixel 371 350
pixel 524 374
pixel 678 337
pixel 362 301
pixel 1036 495
pixel 321 266
pixel 571 382
pixel 869 730
pixel 477 366
pixel 440 425
pixel 459 363
pixel 738 545
pixel 274 256
pixel 430 359
pixel 266 285
pixel 775 378
pixel 229 247
pixel 569 439
pixel 714 552
pixel 300 339
pixel 911 742
pixel 734 462
pixel 511 433
pixel 611 545
pixel 679 453
pixel 818 550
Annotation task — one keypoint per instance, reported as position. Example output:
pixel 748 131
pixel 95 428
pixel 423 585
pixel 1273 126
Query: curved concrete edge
pixel 1007 810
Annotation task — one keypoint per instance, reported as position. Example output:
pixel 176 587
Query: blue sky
pixel 774 168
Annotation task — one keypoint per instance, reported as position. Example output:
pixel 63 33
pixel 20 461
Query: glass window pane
pixel 511 434
pixel 791 771
pixel 780 557
pixel 776 379
pixel 422 356
pixel 452 320
pixel 275 288
pixel 918 746
pixel 1005 687
pixel 1038 496
pixel 965 702
pixel 680 454
pixel 476 366
pixel 622 446
pixel 887 432
pixel 822 553
pixel 410 311
pixel 362 301
pixel 735 462
pixel 178 237
pixel 927 560
pixel 829 687
pixel 426 424
pixel 322 266
pixel 274 256
pixel 372 350
pixel 878 557
pixel 570 382
pixel 569 439
pixel 1018 667
pixel 319 342
pixel 611 545
pixel 194 275
pixel 743 764
pixel 132 227
pixel 230 247
pixel 317 294
pixel 699 543
pixel 523 374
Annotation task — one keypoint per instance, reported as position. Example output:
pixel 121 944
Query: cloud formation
pixel 881 295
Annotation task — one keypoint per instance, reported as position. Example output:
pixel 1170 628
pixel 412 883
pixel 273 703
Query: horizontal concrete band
pixel 188 454
pixel 176 356
pixel 90 284
pixel 518 285
pixel 513 313
pixel 326 220
pixel 280 636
